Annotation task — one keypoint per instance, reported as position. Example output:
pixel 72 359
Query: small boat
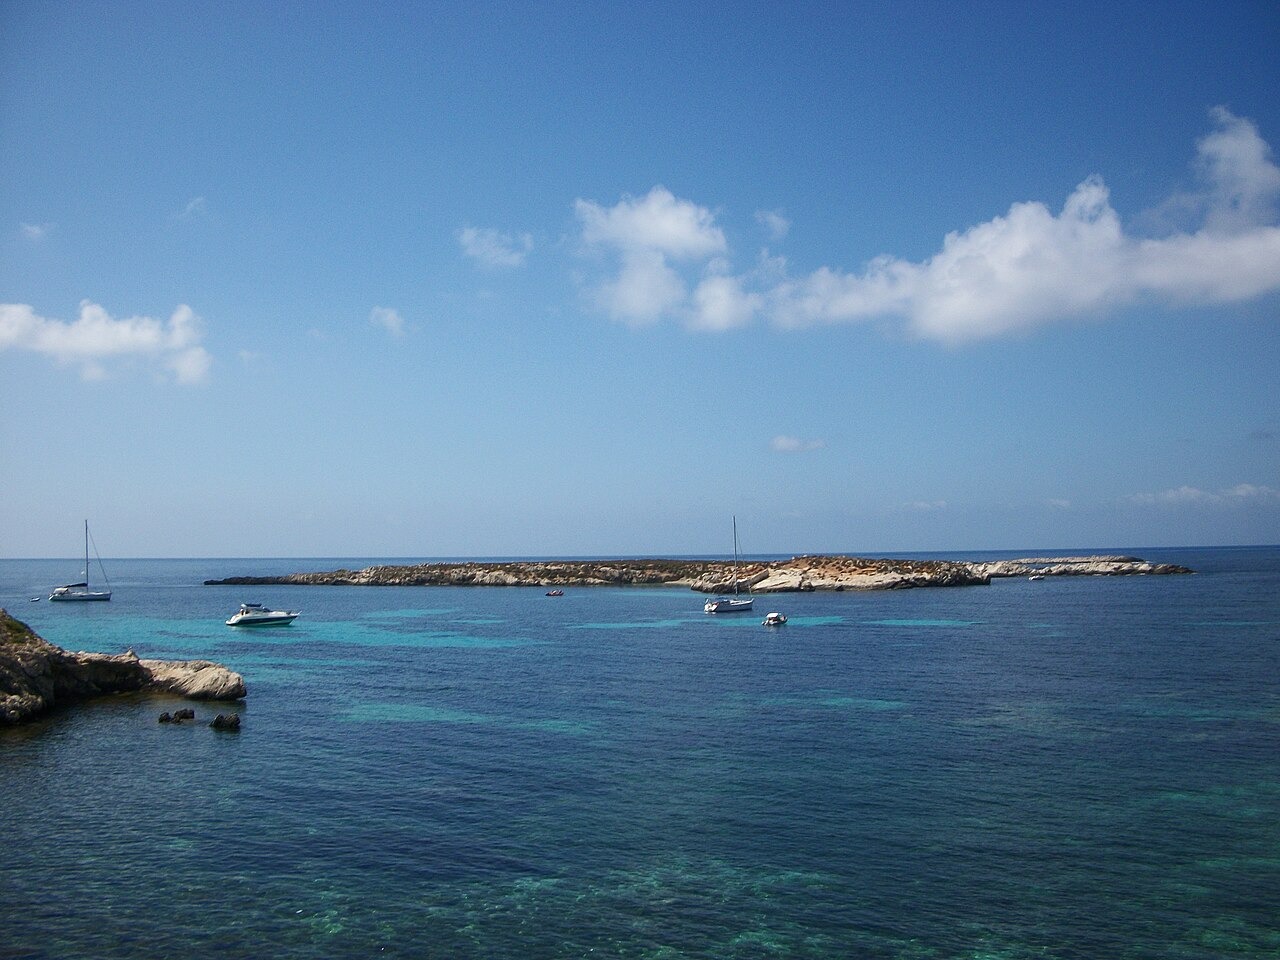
pixel 734 604
pixel 774 619
pixel 555 593
pixel 1036 576
pixel 256 615
pixel 81 591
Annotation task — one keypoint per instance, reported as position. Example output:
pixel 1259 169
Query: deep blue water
pixel 1071 768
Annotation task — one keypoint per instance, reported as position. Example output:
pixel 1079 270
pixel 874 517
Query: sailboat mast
pixel 735 556
pixel 86 554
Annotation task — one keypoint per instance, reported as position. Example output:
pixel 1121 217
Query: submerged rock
pixel 227 721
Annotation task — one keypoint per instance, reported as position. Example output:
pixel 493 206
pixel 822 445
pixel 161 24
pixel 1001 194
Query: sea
pixel 1083 767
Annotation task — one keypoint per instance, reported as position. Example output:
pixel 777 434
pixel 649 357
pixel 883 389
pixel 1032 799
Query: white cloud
pixel 388 319
pixel 657 222
pixel 720 303
pixel 647 234
pixel 1240 493
pixel 36 231
pixel 773 221
pixel 925 506
pixel 1031 266
pixel 785 444
pixel 1058 504
pixel 494 248
pixel 95 336
pixel 1014 273
pixel 645 288
pixel 1243 184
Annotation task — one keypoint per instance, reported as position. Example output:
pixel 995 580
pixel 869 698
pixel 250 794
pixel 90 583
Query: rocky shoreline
pixel 799 574
pixel 36 676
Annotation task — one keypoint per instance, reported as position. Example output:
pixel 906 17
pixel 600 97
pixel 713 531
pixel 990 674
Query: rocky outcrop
pixel 1101 566
pixel 705 576
pixel 194 679
pixel 858 573
pixel 36 676
pixel 532 573
pixel 715 576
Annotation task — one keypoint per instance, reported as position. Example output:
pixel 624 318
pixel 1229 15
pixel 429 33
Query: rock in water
pixel 36 676
pixel 197 679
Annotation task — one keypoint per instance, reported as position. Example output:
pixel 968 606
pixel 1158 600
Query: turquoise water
pixel 1071 768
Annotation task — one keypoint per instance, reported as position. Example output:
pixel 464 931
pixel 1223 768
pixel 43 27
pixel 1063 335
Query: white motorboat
pixel 774 619
pixel 736 603
pixel 81 591
pixel 256 615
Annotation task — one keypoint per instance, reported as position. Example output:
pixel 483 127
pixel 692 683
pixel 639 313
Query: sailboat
pixel 736 603
pixel 81 591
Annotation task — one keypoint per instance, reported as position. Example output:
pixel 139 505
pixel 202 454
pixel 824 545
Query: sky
pixel 366 279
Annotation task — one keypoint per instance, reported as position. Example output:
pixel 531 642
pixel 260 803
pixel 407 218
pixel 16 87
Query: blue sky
pixel 340 279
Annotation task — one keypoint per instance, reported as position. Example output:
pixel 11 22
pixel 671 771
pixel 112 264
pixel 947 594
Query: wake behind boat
pixel 256 615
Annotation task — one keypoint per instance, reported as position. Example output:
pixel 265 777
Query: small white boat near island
pixel 256 615
pixel 773 619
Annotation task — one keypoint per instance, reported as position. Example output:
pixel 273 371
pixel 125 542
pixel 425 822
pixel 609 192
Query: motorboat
pixel 773 619
pixel 81 591
pixel 555 593
pixel 256 615
pixel 1036 576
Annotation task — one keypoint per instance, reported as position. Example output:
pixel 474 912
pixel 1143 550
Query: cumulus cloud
pixel 657 222
pixel 1240 493
pixel 1032 266
pixel 647 235
pixel 721 303
pixel 95 337
pixel 494 248
pixel 388 320
pixel 1027 268
pixel 785 444
pixel 36 231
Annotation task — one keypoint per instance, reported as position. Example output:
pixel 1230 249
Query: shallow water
pixel 1067 768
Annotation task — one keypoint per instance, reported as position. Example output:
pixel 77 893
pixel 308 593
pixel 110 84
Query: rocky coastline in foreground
pixel 799 574
pixel 36 676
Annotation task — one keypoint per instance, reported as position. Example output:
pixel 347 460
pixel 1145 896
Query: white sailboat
pixel 81 591
pixel 736 603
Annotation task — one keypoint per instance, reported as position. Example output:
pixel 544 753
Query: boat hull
pixel 280 621
pixel 726 605
pixel 79 597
